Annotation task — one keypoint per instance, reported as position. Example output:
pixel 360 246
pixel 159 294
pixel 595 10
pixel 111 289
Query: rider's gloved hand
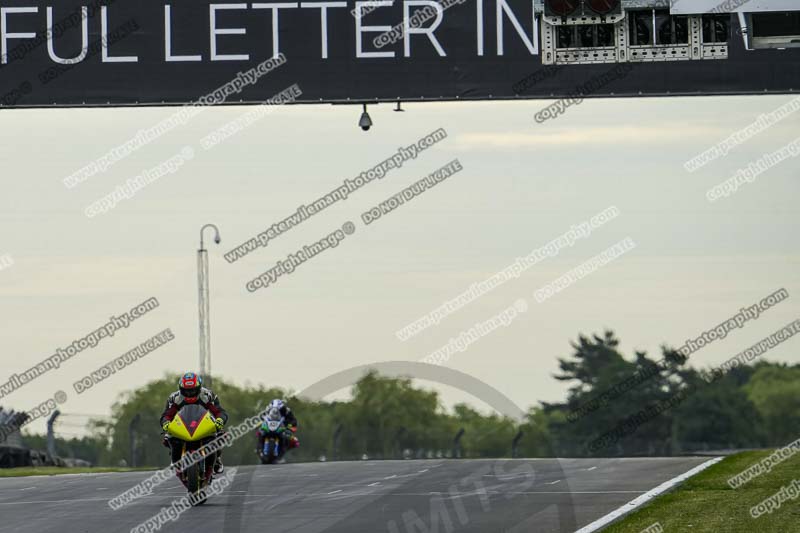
pixel 291 428
pixel 165 425
pixel 220 423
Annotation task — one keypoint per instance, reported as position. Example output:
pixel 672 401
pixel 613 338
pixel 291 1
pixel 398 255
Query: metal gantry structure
pixel 641 31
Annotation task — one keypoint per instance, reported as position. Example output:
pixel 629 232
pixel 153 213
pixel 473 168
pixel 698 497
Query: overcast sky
pixel 523 184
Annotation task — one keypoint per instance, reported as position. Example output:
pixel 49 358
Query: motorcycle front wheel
pixel 270 452
pixel 194 481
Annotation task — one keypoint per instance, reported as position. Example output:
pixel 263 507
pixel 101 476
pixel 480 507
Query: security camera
pixel 365 123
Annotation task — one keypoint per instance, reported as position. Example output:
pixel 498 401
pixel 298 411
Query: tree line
pixel 659 406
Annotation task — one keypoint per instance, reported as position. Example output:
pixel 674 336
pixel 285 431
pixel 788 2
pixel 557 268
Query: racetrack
pixel 525 495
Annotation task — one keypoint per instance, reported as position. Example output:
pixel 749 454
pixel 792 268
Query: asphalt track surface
pixel 513 496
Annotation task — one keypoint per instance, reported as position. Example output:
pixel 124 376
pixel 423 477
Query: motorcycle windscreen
pixel 272 428
pixel 273 422
pixel 192 423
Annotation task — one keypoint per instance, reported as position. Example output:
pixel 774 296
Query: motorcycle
pixel 273 431
pixel 194 426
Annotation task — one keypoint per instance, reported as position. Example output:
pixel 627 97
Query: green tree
pixel 89 448
pixel 774 389
pixel 717 415
pixel 537 440
pixel 597 367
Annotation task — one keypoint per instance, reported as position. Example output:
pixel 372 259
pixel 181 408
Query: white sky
pixel 523 184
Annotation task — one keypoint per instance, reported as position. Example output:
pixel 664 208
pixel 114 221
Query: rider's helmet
pixel 190 385
pixel 273 411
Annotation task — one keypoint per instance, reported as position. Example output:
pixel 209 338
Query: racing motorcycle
pixel 194 426
pixel 275 434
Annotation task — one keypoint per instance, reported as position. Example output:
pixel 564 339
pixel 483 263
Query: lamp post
pixel 205 319
pixel 51 437
pixel 132 427
pixel 515 444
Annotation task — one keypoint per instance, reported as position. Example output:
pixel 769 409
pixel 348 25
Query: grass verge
pixel 707 504
pixel 55 470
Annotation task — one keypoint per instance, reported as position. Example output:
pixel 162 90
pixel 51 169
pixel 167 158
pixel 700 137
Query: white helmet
pixel 275 404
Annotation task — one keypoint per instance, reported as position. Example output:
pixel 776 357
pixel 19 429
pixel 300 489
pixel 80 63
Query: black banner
pixel 120 52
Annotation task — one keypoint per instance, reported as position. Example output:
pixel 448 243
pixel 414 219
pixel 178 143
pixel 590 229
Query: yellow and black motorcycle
pixel 193 426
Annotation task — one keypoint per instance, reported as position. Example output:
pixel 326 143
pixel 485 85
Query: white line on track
pixel 415 494
pixel 554 482
pixel 507 477
pixel 590 469
pixel 67 502
pixel 373 484
pixel 259 497
pixel 597 525
pixel 57 477
pixel 245 494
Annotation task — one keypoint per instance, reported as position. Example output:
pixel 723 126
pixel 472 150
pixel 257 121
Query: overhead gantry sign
pixel 124 52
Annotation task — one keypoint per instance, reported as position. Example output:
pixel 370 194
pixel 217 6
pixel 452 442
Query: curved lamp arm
pixel 216 235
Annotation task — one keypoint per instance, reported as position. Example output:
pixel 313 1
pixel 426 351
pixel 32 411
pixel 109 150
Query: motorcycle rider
pixel 191 391
pixel 289 420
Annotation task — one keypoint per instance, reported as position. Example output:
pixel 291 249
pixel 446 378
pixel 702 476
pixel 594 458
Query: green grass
pixel 706 503
pixel 55 470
